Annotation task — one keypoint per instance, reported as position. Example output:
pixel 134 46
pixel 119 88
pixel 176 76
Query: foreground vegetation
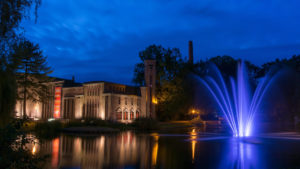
pixel 53 127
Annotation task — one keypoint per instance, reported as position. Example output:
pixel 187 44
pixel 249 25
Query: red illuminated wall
pixel 57 102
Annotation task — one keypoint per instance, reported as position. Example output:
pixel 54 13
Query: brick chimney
pixel 191 55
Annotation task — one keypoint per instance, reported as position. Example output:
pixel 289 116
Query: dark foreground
pixel 166 151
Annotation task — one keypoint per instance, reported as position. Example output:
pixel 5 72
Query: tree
pixel 7 96
pixel 12 13
pixel 171 73
pixel 283 105
pixel 13 152
pixel 168 63
pixel 32 72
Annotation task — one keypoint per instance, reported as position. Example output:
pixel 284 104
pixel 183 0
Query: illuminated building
pixel 95 99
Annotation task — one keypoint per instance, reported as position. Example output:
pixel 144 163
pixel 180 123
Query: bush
pixel 13 150
pixel 86 122
pixel 145 124
pixel 48 127
pixel 29 125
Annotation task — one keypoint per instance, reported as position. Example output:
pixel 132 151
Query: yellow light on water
pixel 33 150
pixel 155 149
pixel 193 135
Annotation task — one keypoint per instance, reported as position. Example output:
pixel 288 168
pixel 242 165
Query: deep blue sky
pixel 100 40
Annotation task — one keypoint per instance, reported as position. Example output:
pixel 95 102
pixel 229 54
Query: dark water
pixel 193 150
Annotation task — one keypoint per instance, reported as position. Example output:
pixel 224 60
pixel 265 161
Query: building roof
pixel 109 87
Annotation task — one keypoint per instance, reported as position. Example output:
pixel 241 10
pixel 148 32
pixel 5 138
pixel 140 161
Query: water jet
pixel 235 99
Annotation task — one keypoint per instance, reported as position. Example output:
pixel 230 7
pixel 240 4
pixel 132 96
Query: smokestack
pixel 191 56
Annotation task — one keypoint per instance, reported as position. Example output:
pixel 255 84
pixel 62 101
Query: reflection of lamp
pixel 33 150
pixel 155 150
pixel 193 141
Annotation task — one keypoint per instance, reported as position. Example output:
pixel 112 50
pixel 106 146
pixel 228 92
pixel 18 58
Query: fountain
pixel 235 99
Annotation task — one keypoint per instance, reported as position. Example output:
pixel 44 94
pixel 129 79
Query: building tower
pixel 191 55
pixel 150 79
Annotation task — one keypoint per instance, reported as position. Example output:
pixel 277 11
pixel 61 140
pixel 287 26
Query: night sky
pixel 100 40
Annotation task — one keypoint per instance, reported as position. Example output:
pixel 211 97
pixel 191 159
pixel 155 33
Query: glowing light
pixel 154 100
pixel 57 102
pixel 51 119
pixel 236 102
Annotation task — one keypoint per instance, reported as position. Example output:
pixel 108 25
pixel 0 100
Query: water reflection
pixel 155 149
pixel 195 150
pixel 106 151
pixel 193 135
pixel 33 151
pixel 242 154
pixel 55 152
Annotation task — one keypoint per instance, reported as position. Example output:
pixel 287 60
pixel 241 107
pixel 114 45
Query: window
pixel 119 100
pixel 131 101
pixel 137 115
pixel 125 101
pixel 119 115
pixel 131 115
pixel 125 115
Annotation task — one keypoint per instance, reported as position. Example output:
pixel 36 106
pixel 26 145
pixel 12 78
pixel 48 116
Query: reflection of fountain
pixel 241 155
pixel 236 102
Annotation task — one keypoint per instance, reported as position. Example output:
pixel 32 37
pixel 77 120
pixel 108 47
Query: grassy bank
pixel 53 128
pixel 88 125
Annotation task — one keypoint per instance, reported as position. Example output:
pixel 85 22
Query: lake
pixel 169 151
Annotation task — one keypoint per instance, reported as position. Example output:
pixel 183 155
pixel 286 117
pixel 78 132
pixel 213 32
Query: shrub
pixel 48 127
pixel 145 124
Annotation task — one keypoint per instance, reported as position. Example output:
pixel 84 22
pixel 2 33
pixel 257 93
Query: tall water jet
pixel 235 99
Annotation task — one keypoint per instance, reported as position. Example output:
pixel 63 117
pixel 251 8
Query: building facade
pixel 96 99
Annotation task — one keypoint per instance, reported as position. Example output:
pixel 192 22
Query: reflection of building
pixel 105 151
pixel 97 99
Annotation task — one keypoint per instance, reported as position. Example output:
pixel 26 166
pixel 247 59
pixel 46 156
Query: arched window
pixel 125 115
pixel 119 114
pixel 131 115
pixel 137 114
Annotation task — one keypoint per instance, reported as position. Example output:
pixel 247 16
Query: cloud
pixel 100 40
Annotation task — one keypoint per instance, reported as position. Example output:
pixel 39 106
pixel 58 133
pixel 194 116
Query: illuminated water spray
pixel 235 99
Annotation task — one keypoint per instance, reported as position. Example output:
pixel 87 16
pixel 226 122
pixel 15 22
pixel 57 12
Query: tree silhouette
pixel 32 71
